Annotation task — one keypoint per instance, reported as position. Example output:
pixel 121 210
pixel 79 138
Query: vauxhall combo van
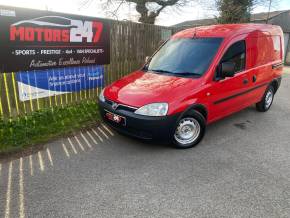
pixel 198 76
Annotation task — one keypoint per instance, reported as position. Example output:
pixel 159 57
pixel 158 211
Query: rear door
pixel 230 94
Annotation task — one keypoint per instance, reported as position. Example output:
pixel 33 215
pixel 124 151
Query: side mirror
pixel 147 58
pixel 227 69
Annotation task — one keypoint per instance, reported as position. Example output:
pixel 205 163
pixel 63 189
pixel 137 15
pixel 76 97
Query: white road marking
pixel 21 190
pixel 0 168
pixel 72 146
pixel 108 130
pixel 97 135
pixel 49 156
pixel 65 150
pixel 8 193
pixel 92 138
pixel 80 145
pixel 31 165
pixel 85 139
pixel 41 166
pixel 103 132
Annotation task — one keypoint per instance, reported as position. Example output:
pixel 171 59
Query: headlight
pixel 154 109
pixel 101 96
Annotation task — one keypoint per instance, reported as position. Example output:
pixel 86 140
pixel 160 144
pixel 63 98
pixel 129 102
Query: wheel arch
pixel 197 107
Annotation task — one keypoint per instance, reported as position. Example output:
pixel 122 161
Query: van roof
pixel 227 30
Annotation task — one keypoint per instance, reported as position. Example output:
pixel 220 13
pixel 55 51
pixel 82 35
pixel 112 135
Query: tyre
pixel 267 100
pixel 189 130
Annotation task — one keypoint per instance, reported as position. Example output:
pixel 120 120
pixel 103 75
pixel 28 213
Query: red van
pixel 198 76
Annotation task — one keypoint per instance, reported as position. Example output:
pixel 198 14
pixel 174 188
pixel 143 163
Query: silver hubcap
pixel 268 98
pixel 187 131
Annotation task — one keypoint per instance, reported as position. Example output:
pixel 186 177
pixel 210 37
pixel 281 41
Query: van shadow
pixel 239 122
pixel 142 143
pixel 220 129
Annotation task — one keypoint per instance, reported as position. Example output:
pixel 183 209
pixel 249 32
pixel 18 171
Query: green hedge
pixel 43 125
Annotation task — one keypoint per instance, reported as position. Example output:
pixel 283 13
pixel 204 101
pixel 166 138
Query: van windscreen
pixel 185 56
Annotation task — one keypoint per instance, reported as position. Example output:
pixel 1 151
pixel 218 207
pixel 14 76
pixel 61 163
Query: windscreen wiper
pixel 161 71
pixel 188 74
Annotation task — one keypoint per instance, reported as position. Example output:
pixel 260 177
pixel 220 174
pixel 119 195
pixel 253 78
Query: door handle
pixel 245 81
pixel 254 78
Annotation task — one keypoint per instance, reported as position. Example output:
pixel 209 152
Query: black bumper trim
pixel 138 126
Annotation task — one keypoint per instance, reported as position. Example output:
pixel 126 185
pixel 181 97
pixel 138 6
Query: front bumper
pixel 144 127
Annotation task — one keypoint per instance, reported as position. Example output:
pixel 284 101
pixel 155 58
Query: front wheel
pixel 267 100
pixel 189 130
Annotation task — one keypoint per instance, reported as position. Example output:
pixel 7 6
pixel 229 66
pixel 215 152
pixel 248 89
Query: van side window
pixel 236 53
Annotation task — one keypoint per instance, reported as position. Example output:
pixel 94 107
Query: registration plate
pixel 115 118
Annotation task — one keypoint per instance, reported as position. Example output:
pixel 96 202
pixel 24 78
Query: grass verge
pixel 46 124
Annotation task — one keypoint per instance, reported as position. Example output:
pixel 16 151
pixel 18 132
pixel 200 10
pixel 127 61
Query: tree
pixel 148 10
pixel 149 13
pixel 237 11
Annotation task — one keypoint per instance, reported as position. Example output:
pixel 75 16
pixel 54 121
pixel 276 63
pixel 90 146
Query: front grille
pixel 121 106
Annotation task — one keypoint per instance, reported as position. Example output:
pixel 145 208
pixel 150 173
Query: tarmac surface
pixel 240 169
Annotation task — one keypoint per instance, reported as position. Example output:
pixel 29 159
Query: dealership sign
pixel 35 39
pixel 57 81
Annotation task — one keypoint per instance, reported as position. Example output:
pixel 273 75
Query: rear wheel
pixel 267 100
pixel 189 130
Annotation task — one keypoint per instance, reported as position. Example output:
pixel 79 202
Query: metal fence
pixel 130 44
